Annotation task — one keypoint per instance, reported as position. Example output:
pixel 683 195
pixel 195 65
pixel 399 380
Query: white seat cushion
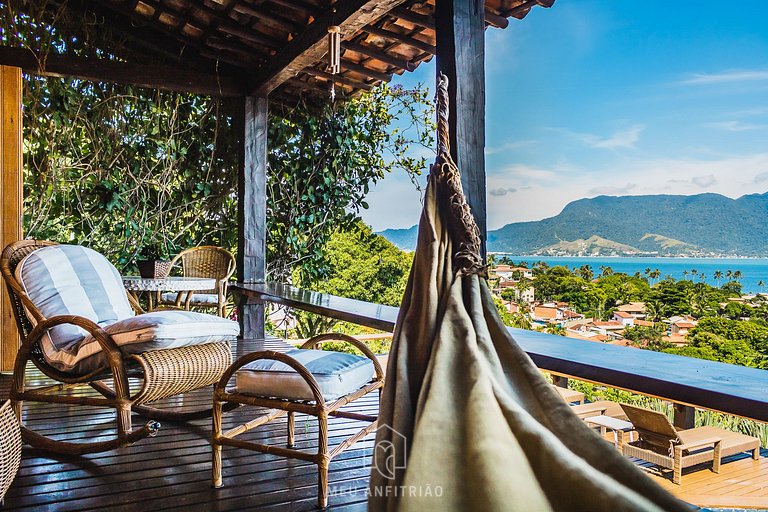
pixel 75 280
pixel 155 331
pixel 337 374
pixel 197 298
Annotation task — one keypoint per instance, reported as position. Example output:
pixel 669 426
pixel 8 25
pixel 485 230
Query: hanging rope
pixel 465 233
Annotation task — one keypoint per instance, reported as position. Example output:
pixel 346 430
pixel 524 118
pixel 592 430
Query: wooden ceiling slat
pixel 423 20
pixel 401 38
pixel 379 55
pixel 362 70
pixel 265 17
pixel 339 79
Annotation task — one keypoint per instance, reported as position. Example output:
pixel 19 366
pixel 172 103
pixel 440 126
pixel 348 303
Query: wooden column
pixel 252 211
pixel 11 179
pixel 460 31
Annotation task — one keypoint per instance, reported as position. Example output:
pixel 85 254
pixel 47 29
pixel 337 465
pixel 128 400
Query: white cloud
pixel 761 178
pixel 492 150
pixel 737 126
pixel 704 181
pixel 523 174
pixel 613 191
pixel 623 138
pixel 501 191
pixel 725 77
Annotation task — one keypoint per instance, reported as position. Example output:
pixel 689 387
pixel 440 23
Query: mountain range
pixel 661 225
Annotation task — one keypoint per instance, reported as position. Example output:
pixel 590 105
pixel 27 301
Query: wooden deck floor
pixel 172 471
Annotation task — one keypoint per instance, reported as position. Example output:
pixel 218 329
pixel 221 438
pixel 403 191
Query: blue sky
pixel 597 97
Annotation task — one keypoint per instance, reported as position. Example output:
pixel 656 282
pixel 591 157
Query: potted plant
pixel 154 260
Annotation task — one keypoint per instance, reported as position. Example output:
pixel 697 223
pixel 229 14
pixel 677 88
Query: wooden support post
pixel 252 211
pixel 11 179
pixel 685 416
pixel 560 381
pixel 460 32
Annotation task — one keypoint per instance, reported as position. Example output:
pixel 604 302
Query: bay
pixel 753 270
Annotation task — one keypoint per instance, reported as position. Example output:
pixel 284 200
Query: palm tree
pixel 519 320
pixel 655 274
pixel 654 310
pixel 555 329
pixel 737 275
pixel 761 285
pixel 718 277
pixel 585 272
pixel 694 271
pixel 605 270
pixel 685 274
pixel 729 274
pixel 647 271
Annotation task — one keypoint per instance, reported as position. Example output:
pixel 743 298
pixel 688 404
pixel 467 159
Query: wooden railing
pixel 683 380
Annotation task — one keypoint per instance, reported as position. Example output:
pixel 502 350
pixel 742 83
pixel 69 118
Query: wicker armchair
pixel 10 447
pixel 164 372
pixel 303 381
pixel 204 261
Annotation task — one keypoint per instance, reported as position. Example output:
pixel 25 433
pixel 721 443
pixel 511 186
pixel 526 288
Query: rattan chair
pixel 662 444
pixel 163 373
pixel 306 393
pixel 10 447
pixel 204 261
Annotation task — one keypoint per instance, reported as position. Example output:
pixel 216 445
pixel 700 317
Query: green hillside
pixel 666 225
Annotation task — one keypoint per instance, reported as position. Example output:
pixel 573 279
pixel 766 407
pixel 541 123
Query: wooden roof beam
pixel 309 46
pixel 141 75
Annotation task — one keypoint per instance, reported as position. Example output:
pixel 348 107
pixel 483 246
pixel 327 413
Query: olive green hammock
pixel 467 421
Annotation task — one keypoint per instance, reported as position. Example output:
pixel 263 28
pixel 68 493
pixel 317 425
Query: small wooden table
pixel 615 425
pixel 136 284
pixel 570 395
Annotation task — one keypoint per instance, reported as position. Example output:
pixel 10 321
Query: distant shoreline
pixel 623 256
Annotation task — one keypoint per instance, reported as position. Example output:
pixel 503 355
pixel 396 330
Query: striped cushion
pixel 75 280
pixel 72 280
pixel 337 374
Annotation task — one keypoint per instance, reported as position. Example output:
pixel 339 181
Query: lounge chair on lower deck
pixel 662 444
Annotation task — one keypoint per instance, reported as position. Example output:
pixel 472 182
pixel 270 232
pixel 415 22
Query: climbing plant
pixel 135 172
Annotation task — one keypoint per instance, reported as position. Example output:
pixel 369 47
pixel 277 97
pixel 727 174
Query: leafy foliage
pixel 134 172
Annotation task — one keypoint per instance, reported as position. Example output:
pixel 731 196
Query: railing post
pixel 252 211
pixel 685 416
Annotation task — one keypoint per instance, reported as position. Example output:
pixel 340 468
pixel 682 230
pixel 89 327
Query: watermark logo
pixel 389 454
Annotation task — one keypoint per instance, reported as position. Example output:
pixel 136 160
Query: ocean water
pixel 753 270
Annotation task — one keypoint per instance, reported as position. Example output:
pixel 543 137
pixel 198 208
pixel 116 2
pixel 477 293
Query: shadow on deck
pixel 172 471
